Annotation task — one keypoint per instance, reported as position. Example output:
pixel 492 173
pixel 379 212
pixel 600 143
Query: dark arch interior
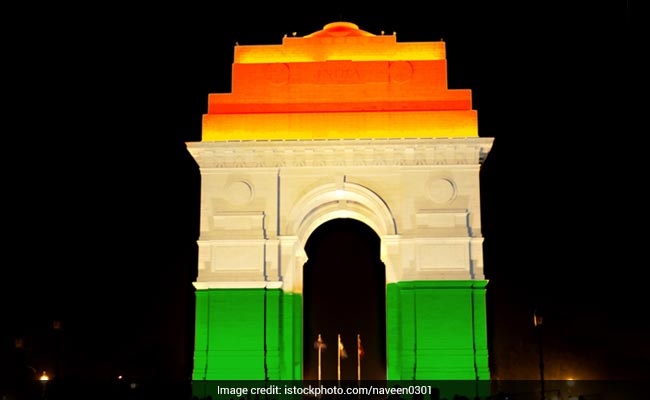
pixel 344 292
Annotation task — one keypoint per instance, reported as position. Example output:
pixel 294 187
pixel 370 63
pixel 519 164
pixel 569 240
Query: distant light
pixel 570 381
pixel 44 377
pixel 119 377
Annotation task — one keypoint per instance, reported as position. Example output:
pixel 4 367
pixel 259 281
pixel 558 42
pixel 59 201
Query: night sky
pixel 101 198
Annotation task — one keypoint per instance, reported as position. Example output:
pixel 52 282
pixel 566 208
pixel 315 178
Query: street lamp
pixel 44 378
pixel 537 323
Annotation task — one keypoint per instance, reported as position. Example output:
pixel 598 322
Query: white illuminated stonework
pixel 261 200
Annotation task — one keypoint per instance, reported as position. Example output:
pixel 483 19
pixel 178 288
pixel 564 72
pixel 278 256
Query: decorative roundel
pixel 278 73
pixel 442 190
pixel 400 71
pixel 239 192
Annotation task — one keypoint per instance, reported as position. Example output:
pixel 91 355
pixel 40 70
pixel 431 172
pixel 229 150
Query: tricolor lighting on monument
pixel 340 123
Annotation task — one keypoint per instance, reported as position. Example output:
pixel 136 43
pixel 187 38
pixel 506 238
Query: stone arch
pixel 332 201
pixel 344 200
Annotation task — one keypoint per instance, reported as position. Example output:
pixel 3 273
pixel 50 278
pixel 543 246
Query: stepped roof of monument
pixel 339 82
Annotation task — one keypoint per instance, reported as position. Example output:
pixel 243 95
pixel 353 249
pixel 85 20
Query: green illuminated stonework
pixel 252 334
pixel 436 330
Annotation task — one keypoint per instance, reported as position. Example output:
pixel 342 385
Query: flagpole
pixel 319 350
pixel 339 361
pixel 359 358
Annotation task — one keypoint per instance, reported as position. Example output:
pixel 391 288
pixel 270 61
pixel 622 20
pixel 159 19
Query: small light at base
pixel 570 381
pixel 44 377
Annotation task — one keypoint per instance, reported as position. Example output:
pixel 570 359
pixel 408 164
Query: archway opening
pixel 344 292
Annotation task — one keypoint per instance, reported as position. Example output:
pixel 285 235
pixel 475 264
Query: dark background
pixel 101 204
pixel 344 293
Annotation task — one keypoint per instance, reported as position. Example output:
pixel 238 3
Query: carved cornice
pixel 341 152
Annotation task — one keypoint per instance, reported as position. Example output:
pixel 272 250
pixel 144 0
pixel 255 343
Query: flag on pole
pixel 342 351
pixel 320 344
pixel 360 347
pixel 359 356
